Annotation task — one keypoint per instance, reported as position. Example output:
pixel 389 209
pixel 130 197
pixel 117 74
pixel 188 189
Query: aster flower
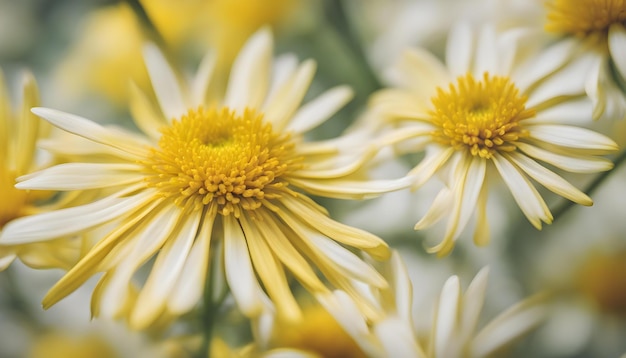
pixel 489 114
pixel 211 178
pixel 19 131
pixel 454 328
pixel 595 28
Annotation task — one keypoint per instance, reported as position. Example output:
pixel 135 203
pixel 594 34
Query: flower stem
pixel 595 184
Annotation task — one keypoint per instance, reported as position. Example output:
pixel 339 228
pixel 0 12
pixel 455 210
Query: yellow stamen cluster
pixel 479 116
pixel 583 17
pixel 216 156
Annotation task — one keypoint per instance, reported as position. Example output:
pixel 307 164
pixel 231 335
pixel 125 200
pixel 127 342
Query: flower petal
pixel 317 111
pixel 165 83
pixel 79 176
pixel 572 137
pixel 570 163
pixel 617 46
pixel 459 49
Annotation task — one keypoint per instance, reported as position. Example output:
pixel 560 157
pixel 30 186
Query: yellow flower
pixel 595 28
pixel 488 116
pixel 19 131
pixel 211 178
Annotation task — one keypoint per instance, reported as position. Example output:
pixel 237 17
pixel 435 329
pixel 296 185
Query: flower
pixel 19 132
pixel 595 28
pixel 453 332
pixel 489 114
pixel 210 178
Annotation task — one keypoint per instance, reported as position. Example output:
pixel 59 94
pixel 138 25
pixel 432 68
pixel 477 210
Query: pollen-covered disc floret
pixel 583 17
pixel 482 116
pixel 218 156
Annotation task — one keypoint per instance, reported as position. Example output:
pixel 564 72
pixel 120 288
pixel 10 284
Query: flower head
pixel 595 28
pixel 19 132
pixel 489 114
pixel 453 331
pixel 212 179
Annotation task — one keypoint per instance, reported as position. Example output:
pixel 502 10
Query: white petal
pixel 572 112
pixel 402 287
pixel 239 273
pixel 545 63
pixel 549 179
pixel 397 338
pixel 349 264
pixel 486 57
pixel 165 83
pixel 77 176
pixel 202 80
pixel 572 137
pixel 249 75
pixel 188 291
pixel 93 131
pixel 435 158
pixel 524 193
pixel 471 188
pixel 165 271
pixel 145 115
pixel 473 303
pixel 568 81
pixel 438 209
pixel 288 98
pixel 69 221
pixel 349 189
pixel 283 68
pixel 418 70
pixel 570 163
pixel 317 111
pixel 459 49
pixel 446 319
pixel 617 46
pixel 508 326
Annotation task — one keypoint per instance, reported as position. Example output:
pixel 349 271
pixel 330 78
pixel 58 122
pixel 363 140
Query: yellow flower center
pixel 602 279
pixel 318 332
pixel 215 156
pixel 584 17
pixel 479 116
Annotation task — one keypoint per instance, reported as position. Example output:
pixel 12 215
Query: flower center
pixel 216 156
pixel 602 279
pixel 480 116
pixel 318 332
pixel 583 17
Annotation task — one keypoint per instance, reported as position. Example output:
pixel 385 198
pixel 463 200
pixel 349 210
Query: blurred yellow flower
pixel 208 175
pixel 19 132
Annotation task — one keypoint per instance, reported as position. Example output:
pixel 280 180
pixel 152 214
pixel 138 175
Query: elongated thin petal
pixel 249 76
pixel 78 176
pixel 202 80
pixel 446 344
pixel 351 189
pixel 473 304
pixel 93 131
pixel 165 83
pixel 524 193
pixel 239 272
pixel 617 46
pixel 570 163
pixel 572 137
pixel 145 114
pixel 317 111
pixel 459 49
pixel 549 179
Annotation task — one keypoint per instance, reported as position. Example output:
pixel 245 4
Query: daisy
pixel 19 131
pixel 491 113
pixel 453 331
pixel 595 28
pixel 211 178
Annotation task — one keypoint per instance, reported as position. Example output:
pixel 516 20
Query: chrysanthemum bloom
pixel 213 178
pixel 488 115
pixel 19 131
pixel 453 331
pixel 595 28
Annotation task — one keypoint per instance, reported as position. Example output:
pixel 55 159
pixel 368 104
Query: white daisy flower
pixel 489 114
pixel 209 178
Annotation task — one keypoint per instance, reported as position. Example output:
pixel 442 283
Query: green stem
pixel 595 184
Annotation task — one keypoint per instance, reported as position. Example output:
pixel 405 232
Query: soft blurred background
pixel 84 55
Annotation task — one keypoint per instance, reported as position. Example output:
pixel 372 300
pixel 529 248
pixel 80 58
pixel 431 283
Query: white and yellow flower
pixel 453 332
pixel 19 132
pixel 491 114
pixel 595 28
pixel 209 178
